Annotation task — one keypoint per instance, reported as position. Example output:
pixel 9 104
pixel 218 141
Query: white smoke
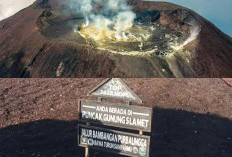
pixel 110 14
pixel 124 20
pixel 195 29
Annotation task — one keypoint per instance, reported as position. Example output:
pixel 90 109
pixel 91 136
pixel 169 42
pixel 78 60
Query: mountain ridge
pixel 39 42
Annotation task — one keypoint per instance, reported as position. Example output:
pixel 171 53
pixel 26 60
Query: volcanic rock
pixel 41 41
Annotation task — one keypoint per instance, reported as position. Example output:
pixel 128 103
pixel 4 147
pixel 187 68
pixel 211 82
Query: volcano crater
pixel 146 36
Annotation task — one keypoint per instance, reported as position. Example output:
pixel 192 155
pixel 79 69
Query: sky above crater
pixel 217 11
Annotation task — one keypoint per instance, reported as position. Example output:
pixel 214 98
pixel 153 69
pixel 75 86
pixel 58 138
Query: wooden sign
pixel 114 141
pixel 117 89
pixel 115 114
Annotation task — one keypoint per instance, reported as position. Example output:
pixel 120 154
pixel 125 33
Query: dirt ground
pixel 192 117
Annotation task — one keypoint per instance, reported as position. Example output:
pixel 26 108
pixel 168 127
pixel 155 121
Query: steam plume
pixel 115 15
pixel 194 32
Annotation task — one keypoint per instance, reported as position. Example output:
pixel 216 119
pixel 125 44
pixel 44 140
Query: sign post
pixel 86 151
pixel 111 115
pixel 87 148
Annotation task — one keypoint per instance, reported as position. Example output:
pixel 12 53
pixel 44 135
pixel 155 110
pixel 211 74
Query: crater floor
pixel 139 39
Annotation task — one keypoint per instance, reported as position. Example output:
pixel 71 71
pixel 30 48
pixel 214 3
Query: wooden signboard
pixel 113 141
pixel 115 88
pixel 115 114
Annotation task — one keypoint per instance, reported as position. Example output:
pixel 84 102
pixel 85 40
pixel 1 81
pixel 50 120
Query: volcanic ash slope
pixel 52 39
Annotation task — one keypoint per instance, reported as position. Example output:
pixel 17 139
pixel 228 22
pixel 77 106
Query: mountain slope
pixel 40 41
